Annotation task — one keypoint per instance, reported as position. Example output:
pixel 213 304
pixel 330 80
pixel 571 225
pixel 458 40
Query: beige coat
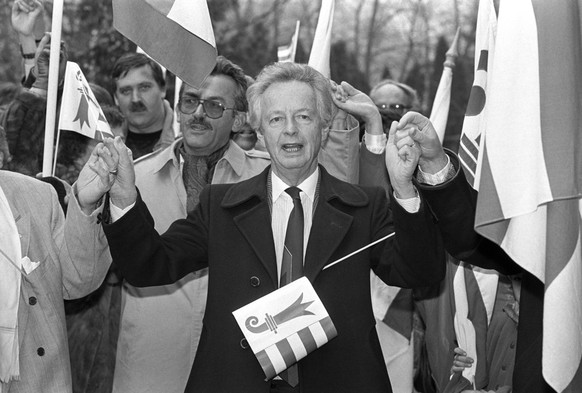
pixel 74 259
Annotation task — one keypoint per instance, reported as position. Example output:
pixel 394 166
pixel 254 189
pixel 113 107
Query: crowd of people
pixel 121 274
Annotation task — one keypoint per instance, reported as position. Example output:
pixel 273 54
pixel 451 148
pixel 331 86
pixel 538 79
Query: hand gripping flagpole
pixel 53 80
pixel 359 250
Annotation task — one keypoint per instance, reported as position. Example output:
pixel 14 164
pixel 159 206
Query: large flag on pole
pixel 531 175
pixel 442 100
pixel 80 111
pixel 320 50
pixel 475 119
pixel 176 33
pixel 287 52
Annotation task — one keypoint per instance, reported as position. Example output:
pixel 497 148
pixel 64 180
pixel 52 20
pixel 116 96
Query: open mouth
pixel 292 147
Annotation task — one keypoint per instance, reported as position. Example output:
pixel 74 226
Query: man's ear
pixel 324 135
pixel 240 118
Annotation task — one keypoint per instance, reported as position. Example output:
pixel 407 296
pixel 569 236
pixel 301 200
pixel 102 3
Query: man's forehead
pixel 215 86
pixel 281 96
pixel 137 75
pixel 390 94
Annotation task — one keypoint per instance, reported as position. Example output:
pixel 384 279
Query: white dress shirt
pixel 282 206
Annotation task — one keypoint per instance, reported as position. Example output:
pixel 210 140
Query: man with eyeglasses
pixel 160 326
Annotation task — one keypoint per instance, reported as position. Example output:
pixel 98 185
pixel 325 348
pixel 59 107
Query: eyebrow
pixel 196 95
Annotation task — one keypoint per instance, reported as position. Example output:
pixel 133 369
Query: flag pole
pixel 442 99
pixel 53 80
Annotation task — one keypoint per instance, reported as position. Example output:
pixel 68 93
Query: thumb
pixel 416 135
pixel 392 134
pixel 349 89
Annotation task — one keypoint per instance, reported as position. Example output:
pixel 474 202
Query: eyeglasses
pixel 213 109
pixel 394 108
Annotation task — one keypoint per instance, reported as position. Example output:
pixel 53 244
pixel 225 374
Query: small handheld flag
pixel 80 111
pixel 285 326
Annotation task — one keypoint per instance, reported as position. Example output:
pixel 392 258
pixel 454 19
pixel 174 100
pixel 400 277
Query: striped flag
pixel 80 111
pixel 393 309
pixel 287 52
pixel 320 50
pixel 176 33
pixel 285 326
pixel 442 99
pixel 530 190
pixel 475 119
pixel 438 307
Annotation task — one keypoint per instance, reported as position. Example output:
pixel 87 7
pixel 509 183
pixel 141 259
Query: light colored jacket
pixel 74 259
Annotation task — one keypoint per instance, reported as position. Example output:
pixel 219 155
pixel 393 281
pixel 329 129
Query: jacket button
pixel 255 281
pixel 244 344
pixel 40 351
pixel 32 300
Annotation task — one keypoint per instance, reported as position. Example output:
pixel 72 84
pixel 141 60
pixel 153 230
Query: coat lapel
pixel 327 232
pixel 254 222
pixel 330 225
pixel 23 225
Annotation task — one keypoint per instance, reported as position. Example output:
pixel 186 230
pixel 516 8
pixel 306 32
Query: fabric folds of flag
pixel 320 50
pixel 286 53
pixel 475 119
pixel 80 111
pixel 285 326
pixel 530 190
pixel 437 306
pixel 176 33
pixel 442 100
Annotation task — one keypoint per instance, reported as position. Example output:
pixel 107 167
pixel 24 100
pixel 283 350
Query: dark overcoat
pixel 230 232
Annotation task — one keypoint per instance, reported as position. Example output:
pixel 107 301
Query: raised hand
pixel 41 62
pixel 416 129
pixel 25 15
pixel 96 178
pixel 351 100
pixel 123 192
pixel 401 161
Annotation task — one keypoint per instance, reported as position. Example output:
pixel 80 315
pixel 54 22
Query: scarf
pixel 197 173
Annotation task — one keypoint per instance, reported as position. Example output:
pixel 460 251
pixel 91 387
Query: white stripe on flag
pixel 284 53
pixel 297 346
pixel 475 121
pixel 320 50
pixel 276 358
pixel 518 168
pixel 564 313
pixel 529 196
pixel 318 334
pixel 195 22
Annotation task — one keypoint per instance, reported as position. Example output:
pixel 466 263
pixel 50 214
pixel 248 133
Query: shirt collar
pixel 308 185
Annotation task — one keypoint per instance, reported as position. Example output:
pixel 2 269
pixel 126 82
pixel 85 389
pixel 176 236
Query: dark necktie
pixel 292 264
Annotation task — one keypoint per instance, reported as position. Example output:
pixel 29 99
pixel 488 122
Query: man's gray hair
pixel 289 72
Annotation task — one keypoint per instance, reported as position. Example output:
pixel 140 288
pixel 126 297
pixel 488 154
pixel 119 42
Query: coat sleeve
pixel 339 153
pixel 453 204
pixel 414 256
pixel 83 252
pixel 146 258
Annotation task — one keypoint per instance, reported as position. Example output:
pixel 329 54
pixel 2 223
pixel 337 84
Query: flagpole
pixel 442 100
pixel 295 40
pixel 58 141
pixel 53 80
pixel 359 250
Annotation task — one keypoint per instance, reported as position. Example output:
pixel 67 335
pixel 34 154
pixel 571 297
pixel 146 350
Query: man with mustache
pixel 140 89
pixel 161 325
